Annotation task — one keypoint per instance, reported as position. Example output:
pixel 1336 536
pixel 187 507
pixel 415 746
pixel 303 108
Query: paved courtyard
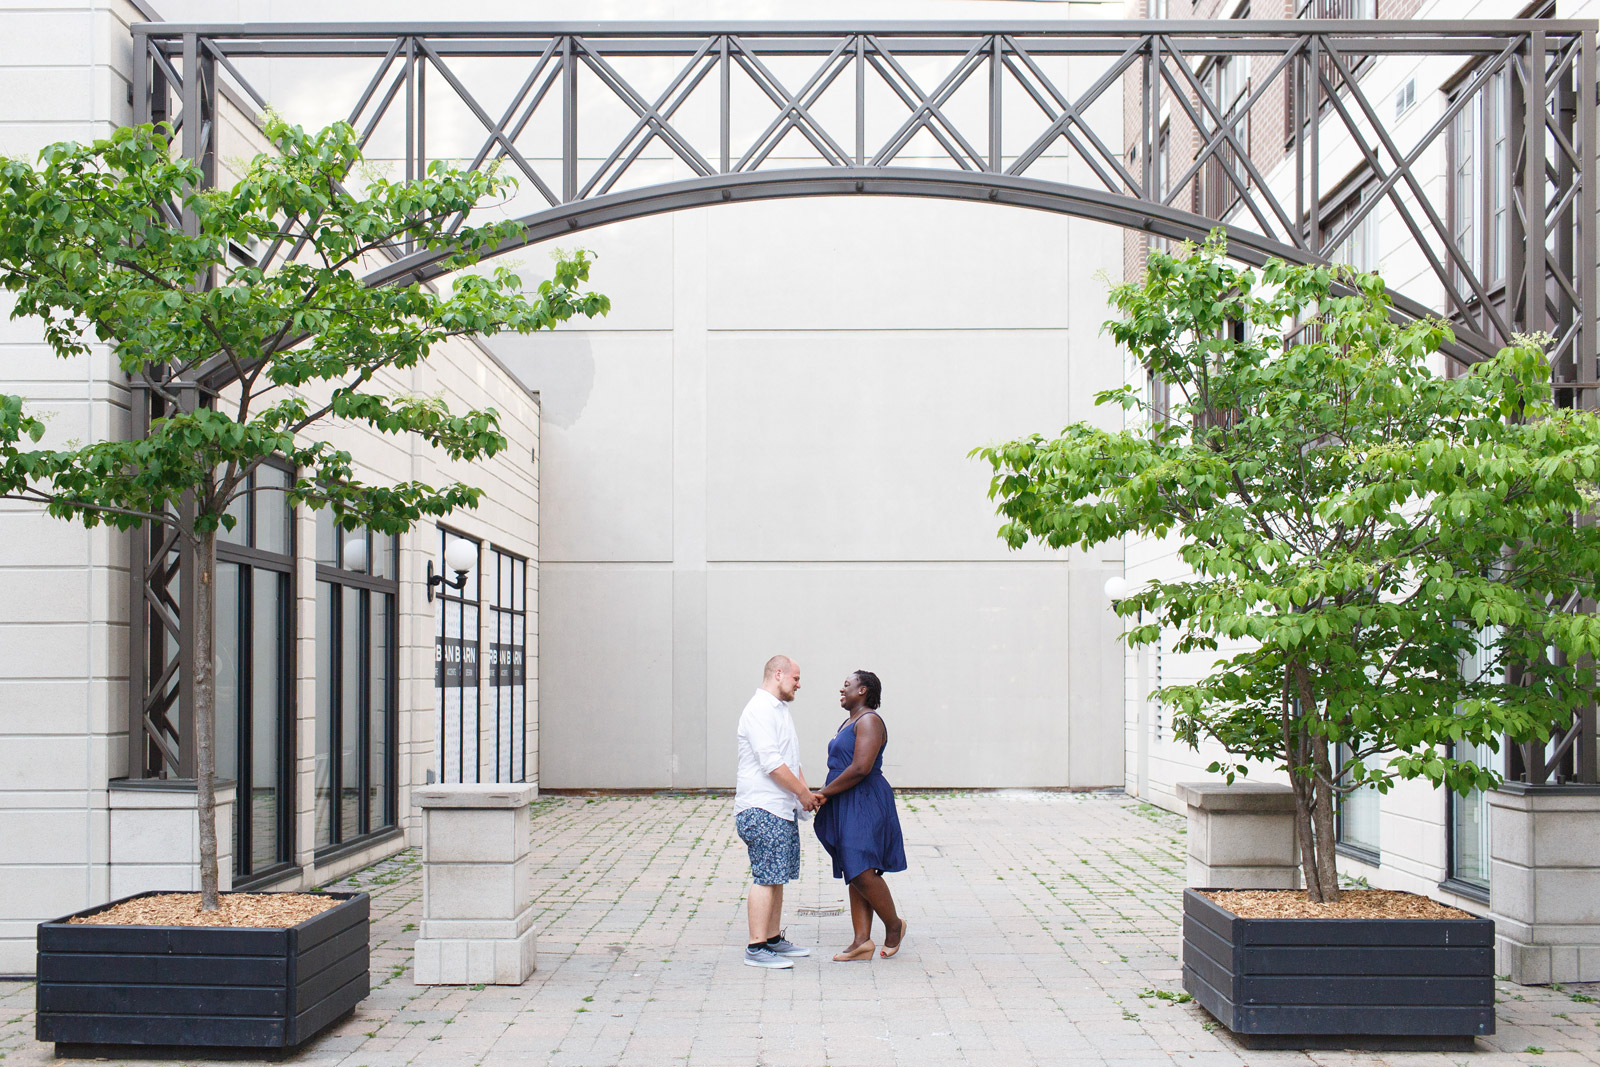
pixel 1043 927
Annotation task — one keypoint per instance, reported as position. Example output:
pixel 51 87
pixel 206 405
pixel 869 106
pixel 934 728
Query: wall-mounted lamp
pixel 355 553
pixel 1116 587
pixel 460 556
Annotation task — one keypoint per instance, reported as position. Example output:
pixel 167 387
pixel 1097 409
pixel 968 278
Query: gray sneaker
pixel 764 957
pixel 784 947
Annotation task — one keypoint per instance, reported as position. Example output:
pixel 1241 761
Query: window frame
pixel 1369 852
pixel 248 558
pixel 1471 887
pixel 344 582
pixel 1338 207
pixel 518 608
pixel 448 596
pixel 1491 253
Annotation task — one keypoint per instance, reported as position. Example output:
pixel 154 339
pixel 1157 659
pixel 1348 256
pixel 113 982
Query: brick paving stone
pixel 1041 926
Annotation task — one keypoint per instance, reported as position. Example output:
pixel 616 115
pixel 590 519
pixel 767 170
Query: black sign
pixel 506 666
pixel 455 663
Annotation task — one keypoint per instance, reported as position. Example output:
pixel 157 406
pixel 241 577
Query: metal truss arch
pixel 1166 128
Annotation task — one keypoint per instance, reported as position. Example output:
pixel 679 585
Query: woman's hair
pixel 874 688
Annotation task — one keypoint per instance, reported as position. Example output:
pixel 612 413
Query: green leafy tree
pixel 1355 529
pixel 120 243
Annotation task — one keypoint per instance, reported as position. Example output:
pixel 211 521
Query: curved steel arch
pixel 1033 193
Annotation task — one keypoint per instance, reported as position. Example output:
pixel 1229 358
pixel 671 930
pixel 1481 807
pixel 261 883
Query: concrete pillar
pixel 477 884
pixel 1544 882
pixel 155 836
pixel 1241 836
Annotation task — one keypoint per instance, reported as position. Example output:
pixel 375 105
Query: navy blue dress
pixel 860 827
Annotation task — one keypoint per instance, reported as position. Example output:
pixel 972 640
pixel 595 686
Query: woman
pixel 857 822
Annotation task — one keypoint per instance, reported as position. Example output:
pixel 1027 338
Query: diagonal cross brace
pixel 927 106
pixel 794 108
pixel 1071 114
pixel 650 114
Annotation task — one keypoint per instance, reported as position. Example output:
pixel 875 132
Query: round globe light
pixel 461 555
pixel 355 553
pixel 1116 587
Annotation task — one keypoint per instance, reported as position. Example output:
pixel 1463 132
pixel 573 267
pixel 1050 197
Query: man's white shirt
pixel 767 741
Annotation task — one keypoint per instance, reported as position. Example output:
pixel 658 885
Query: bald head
pixel 781 677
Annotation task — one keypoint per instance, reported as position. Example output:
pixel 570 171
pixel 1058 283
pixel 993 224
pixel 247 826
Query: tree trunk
pixel 1322 821
pixel 1304 837
pixel 205 712
pixel 1313 798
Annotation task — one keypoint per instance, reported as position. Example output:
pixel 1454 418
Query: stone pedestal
pixel 1544 882
pixel 477 884
pixel 1241 836
pixel 155 835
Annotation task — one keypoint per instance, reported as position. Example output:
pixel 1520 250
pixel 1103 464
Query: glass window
pixel 352 646
pixel 1359 811
pixel 270 797
pixel 1464 189
pixel 1359 248
pixel 229 645
pixel 1469 825
pixel 327 539
pixel 255 563
pixel 325 670
pixel 381 720
pixel 1497 178
pixel 271 503
pixel 460 754
pixel 1469 815
pixel 1338 9
pixel 508 658
pixel 382 556
pixel 355 684
pixel 1480 185
pixel 239 511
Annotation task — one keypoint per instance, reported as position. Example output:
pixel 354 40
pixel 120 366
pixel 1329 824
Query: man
pixel 770 794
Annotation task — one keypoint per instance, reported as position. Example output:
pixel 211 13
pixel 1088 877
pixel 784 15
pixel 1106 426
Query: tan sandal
pixel 887 951
pixel 862 951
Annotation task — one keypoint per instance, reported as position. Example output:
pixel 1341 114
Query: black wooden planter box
pixel 201 986
pixel 1421 983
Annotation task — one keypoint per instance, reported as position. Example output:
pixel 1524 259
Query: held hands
pixel 811 801
pixel 818 799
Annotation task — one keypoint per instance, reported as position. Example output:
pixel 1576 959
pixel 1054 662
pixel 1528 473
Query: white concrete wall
pixel 771 455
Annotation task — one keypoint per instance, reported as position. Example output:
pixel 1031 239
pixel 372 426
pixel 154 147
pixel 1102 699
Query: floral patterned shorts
pixel 774 845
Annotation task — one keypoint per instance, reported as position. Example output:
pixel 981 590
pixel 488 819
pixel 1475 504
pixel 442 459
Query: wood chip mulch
pixel 238 909
pixel 1352 904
